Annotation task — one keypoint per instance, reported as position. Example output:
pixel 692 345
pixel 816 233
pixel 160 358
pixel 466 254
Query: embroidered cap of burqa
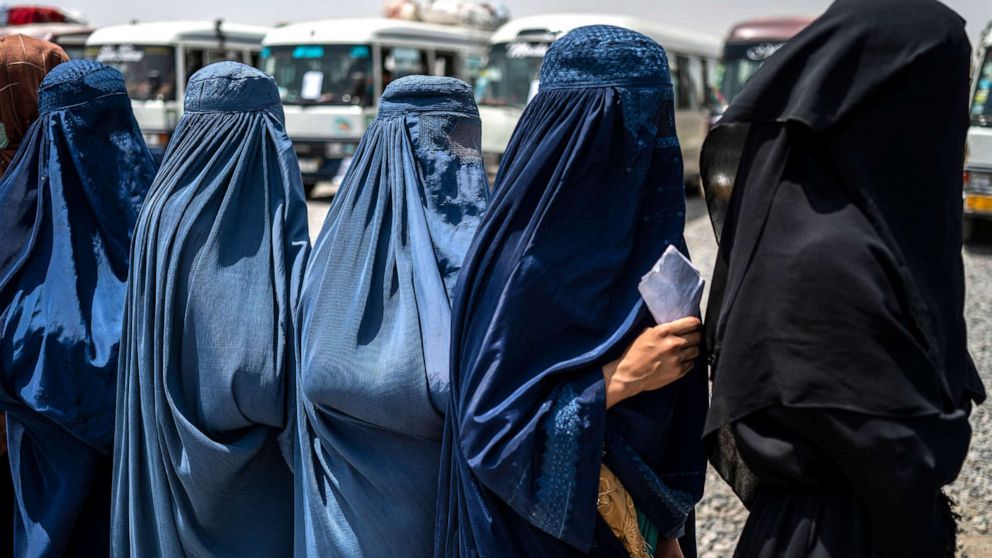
pixel 590 193
pixel 375 324
pixel 207 352
pixel 68 205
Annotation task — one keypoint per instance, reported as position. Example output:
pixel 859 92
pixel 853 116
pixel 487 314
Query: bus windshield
pixel 149 71
pixel 321 74
pixel 74 51
pixel 511 77
pixel 981 105
pixel 740 61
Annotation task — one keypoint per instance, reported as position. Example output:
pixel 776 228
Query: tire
pixel 968 226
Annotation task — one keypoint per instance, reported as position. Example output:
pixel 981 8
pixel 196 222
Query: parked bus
pixel 749 44
pixel 157 59
pixel 331 73
pixel 978 166
pixel 511 78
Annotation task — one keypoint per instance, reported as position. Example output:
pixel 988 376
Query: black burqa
pixel 836 316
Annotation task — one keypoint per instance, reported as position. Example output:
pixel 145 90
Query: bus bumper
pixel 324 161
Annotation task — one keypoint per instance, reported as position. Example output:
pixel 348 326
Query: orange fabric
pixel 24 62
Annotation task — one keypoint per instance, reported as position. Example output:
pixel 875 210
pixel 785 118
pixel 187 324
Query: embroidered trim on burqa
pixel 558 466
pixel 459 137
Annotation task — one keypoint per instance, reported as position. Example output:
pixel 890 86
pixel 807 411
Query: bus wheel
pixel 968 226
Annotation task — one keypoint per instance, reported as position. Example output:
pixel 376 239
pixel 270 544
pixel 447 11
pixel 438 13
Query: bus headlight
pixel 978 182
pixel 977 192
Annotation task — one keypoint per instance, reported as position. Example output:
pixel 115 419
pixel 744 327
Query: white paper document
pixel 673 288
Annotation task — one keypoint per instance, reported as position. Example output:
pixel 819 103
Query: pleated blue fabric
pixel 208 355
pixel 589 195
pixel 68 205
pixel 375 317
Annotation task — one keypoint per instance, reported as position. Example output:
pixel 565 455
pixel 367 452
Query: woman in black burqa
pixel 842 379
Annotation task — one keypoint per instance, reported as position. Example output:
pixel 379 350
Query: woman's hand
pixel 659 356
pixel 668 548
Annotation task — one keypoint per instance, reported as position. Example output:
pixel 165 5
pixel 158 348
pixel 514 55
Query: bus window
pixel 193 60
pixel 398 62
pixel 981 104
pixel 741 61
pixel 197 58
pixel 697 79
pixel 321 74
pixel 75 51
pixel 513 71
pixel 684 93
pixel 149 71
pixel 472 65
pixel 711 71
pixel 445 65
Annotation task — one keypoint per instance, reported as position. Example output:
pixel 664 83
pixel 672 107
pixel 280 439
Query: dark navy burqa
pixel 68 204
pixel 375 325
pixel 589 195
pixel 207 352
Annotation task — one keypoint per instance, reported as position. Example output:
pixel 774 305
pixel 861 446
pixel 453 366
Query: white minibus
pixel 511 77
pixel 331 73
pixel 157 59
pixel 978 166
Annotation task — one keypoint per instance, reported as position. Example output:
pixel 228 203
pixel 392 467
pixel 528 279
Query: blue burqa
pixel 68 204
pixel 589 195
pixel 375 317
pixel 207 353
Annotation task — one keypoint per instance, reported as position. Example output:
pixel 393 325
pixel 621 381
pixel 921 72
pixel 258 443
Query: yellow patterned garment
pixel 617 508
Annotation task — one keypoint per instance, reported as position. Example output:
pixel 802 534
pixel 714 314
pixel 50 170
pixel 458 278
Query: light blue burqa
pixel 375 325
pixel 207 353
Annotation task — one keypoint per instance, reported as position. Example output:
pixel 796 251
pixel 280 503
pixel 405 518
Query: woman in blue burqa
pixel 573 429
pixel 68 204
pixel 375 324
pixel 207 353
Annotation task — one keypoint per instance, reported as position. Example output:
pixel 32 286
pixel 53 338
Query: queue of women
pixel 462 370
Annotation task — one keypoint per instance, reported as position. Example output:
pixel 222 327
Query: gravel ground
pixel 720 515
